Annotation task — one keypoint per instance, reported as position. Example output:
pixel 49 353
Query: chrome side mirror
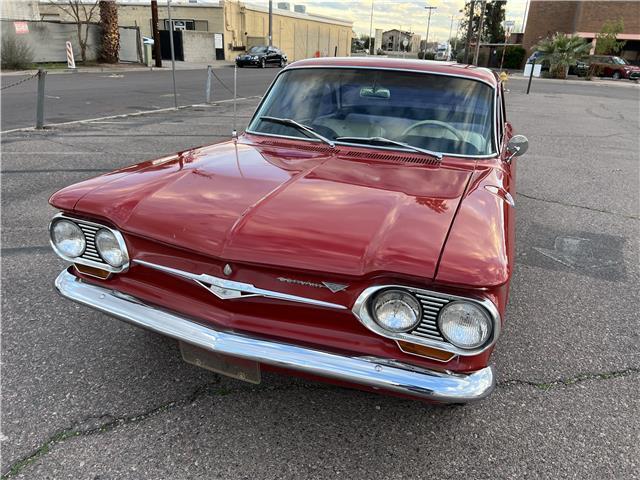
pixel 517 146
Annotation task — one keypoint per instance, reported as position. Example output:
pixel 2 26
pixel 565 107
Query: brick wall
pixel 547 17
pixel 592 15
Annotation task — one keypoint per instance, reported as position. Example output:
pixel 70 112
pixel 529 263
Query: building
pixel 393 40
pixel 225 28
pixel 546 17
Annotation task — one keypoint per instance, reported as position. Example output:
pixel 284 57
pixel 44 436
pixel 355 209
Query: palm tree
pixel 562 51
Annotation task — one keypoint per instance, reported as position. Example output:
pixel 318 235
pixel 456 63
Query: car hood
pixel 319 210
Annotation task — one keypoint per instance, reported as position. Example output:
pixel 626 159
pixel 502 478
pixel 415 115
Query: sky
pixel 405 15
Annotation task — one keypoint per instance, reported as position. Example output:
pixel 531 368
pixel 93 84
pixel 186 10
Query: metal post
pixel 156 33
pixel 173 55
pixel 40 105
pixel 371 41
pixel 479 37
pixel 234 134
pixel 271 24
pixel 207 87
pixel 533 65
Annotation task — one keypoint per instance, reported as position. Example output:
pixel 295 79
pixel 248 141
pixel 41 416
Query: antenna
pixel 234 133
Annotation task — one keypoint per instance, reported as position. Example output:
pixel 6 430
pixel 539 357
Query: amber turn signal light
pixel 92 271
pixel 427 352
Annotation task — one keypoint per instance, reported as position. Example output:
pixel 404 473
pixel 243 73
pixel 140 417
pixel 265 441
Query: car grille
pixel 431 307
pixel 90 252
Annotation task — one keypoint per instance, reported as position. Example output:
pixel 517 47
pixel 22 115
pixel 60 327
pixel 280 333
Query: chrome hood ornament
pixel 228 289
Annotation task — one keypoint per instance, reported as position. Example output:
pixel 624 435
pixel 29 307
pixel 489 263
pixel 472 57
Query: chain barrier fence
pixel 23 80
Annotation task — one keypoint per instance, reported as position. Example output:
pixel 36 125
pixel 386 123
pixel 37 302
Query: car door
pixel 272 56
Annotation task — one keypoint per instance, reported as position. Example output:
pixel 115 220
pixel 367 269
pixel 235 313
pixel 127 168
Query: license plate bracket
pixel 234 367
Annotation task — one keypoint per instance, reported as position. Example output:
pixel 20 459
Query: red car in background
pixel 612 66
pixel 361 232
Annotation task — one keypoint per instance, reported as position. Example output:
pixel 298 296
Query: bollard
pixel 40 104
pixel 533 65
pixel 207 87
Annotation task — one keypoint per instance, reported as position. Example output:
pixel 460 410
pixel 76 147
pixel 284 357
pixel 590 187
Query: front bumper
pixel 372 372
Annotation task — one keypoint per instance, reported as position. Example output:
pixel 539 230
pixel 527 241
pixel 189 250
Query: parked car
pixel 612 66
pixel 262 56
pixel 535 56
pixel 580 68
pixel 360 231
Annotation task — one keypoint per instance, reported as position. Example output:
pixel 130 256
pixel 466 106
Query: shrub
pixel 561 51
pixel 16 55
pixel 514 57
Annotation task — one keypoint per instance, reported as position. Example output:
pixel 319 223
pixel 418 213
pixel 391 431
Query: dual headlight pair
pixel 69 241
pixel 464 324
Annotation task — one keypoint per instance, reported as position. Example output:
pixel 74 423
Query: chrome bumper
pixel 368 371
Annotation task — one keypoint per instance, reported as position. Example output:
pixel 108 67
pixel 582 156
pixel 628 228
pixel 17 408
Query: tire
pixel 263 63
pixel 616 75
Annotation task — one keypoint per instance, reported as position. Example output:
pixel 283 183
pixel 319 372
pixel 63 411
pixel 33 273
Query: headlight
pixel 68 238
pixel 109 248
pixel 396 310
pixel 465 324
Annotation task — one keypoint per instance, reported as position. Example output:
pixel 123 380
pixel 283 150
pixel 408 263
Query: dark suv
pixel 262 56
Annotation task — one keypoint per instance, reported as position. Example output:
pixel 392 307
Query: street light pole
pixel 173 55
pixel 426 41
pixel 371 44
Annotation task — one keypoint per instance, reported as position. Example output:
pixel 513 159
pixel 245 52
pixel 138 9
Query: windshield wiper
pixel 374 140
pixel 299 126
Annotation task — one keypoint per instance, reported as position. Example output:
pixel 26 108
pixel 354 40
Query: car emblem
pixel 334 287
pixel 227 270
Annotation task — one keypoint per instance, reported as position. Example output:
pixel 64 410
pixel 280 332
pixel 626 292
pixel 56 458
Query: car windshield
pixel 256 50
pixel 619 61
pixel 434 112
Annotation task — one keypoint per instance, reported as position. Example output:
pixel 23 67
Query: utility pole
pixel 156 33
pixel 472 7
pixel 426 41
pixel 371 43
pixel 271 24
pixel 479 36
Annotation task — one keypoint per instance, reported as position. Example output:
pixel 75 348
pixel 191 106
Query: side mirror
pixel 517 146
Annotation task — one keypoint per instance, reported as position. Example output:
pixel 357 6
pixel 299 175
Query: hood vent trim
pixel 386 157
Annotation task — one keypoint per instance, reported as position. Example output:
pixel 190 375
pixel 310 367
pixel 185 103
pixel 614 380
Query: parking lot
pixel 86 396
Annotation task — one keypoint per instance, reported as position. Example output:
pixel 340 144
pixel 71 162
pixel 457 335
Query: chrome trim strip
pixel 228 289
pixel 361 311
pixel 494 154
pixel 102 264
pixel 372 372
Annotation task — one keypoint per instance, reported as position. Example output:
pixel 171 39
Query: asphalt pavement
pixel 79 96
pixel 87 396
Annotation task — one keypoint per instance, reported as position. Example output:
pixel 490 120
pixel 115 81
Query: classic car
pixel 262 56
pixel 360 231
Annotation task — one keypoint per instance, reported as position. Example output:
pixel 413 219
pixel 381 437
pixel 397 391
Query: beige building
pixel 235 25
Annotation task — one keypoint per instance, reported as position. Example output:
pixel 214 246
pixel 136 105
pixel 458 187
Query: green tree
pixel 561 51
pixel 607 42
pixel 493 29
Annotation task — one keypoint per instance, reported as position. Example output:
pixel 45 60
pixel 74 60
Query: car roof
pixel 427 66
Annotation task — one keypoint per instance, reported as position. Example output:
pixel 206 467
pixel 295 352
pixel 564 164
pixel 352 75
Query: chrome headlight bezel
pixel 56 246
pixel 362 310
pixel 90 258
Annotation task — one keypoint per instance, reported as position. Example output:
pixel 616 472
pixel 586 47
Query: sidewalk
pixel 124 67
pixel 517 75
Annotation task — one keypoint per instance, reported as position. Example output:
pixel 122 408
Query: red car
pixel 361 232
pixel 612 66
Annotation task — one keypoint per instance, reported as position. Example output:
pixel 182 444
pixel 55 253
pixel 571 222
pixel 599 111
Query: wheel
pixel 263 63
pixel 282 63
pixel 616 75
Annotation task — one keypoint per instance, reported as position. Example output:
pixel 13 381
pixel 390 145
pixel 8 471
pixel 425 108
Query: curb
pixel 571 81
